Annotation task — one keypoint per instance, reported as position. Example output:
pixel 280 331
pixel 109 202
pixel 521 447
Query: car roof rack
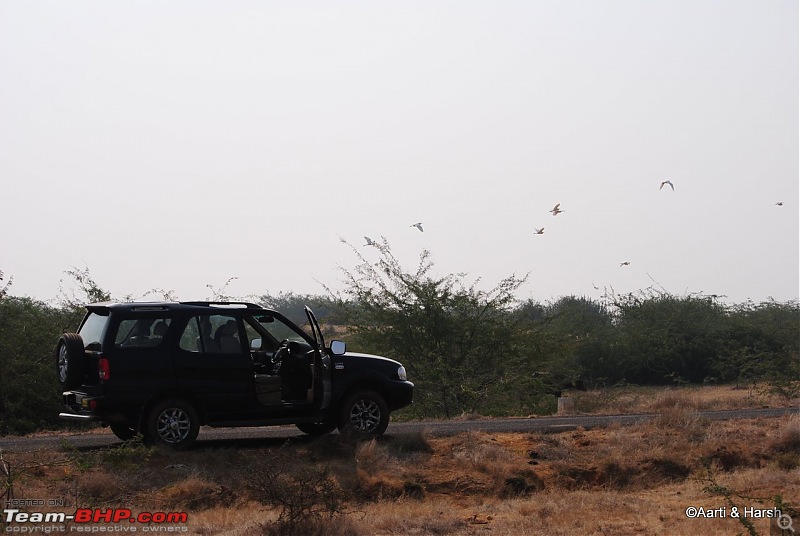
pixel 237 304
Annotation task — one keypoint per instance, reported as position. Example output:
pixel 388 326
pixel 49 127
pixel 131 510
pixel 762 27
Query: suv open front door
pixel 321 365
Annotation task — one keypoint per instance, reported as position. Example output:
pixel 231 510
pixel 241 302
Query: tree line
pixel 476 351
pixel 466 349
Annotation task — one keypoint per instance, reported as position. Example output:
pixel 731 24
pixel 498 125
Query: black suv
pixel 165 369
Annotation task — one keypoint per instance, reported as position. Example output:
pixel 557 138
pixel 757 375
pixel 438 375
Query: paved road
pixel 211 437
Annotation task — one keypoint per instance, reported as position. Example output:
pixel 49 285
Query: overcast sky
pixel 177 144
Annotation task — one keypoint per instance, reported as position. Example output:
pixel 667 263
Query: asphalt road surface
pixel 276 435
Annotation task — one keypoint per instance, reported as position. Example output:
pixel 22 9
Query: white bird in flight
pixel 667 182
pixel 370 242
pixel 418 225
pixel 556 211
pixel 539 231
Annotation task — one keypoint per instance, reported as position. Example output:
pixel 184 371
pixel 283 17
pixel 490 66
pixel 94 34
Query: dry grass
pixel 617 480
pixel 635 399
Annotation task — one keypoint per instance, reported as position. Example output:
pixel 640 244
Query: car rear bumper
pixel 78 405
pixel 77 417
pixel 84 407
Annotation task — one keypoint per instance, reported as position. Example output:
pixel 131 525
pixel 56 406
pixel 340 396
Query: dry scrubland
pixel 617 480
pixel 635 399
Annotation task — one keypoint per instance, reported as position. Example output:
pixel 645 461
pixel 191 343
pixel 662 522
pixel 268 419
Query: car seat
pixel 227 338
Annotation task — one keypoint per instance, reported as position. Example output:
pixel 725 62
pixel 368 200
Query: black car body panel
pixel 352 370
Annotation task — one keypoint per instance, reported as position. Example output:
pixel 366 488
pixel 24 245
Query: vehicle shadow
pixel 254 442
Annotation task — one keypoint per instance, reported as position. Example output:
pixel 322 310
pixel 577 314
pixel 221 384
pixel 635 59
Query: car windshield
pixel 276 328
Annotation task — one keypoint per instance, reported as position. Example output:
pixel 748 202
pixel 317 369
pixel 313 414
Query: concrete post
pixel 566 405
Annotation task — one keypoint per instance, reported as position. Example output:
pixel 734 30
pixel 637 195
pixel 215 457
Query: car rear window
pixel 92 330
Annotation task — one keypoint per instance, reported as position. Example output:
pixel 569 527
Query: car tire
pixel 316 429
pixel 123 430
pixel 69 357
pixel 364 416
pixel 172 423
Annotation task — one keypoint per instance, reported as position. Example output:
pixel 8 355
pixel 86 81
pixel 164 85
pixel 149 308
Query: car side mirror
pixel 255 344
pixel 338 347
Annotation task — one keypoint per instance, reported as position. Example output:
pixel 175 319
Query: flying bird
pixel 667 182
pixel 539 231
pixel 370 242
pixel 626 263
pixel 779 203
pixel 556 211
pixel 418 225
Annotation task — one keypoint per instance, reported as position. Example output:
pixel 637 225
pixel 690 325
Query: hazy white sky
pixel 178 144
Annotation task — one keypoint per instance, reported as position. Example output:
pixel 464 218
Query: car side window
pixel 253 335
pixel 190 338
pixel 211 334
pixel 141 332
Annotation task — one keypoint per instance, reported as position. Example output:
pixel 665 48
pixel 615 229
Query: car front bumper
pixel 401 394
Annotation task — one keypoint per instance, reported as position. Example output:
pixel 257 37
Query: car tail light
pixel 103 370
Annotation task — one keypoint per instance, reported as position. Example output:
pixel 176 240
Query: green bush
pixel 459 344
pixel 29 392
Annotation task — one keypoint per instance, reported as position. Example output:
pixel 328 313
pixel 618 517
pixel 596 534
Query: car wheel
pixel 316 428
pixel 70 360
pixel 172 423
pixel 123 430
pixel 364 416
